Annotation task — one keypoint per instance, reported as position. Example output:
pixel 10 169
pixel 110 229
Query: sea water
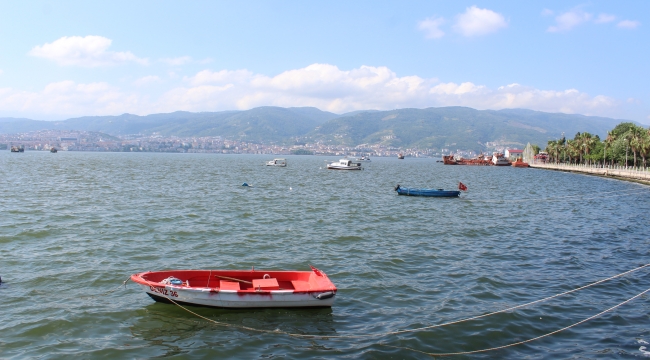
pixel 75 225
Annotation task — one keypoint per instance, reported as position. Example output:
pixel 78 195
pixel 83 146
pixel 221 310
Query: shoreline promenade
pixel 640 176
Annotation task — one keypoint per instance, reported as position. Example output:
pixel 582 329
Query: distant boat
pixel 400 156
pixel 17 148
pixel 499 160
pixel 53 150
pixel 344 164
pixel 277 162
pixel 426 192
pixel 520 163
pixel 239 288
pixel 364 158
pixel 449 160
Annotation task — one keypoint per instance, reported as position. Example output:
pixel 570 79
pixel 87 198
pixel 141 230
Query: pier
pixel 620 172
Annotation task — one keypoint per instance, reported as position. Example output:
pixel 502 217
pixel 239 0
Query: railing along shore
pixel 616 171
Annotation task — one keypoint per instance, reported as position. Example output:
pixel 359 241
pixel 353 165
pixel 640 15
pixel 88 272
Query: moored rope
pixel 523 341
pixel 310 336
pixel 109 291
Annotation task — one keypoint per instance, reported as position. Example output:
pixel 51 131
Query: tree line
pixel 626 145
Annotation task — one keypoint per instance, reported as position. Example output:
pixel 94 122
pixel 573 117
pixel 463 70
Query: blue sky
pixel 76 58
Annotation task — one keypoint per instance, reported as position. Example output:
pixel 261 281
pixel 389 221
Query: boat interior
pixel 241 280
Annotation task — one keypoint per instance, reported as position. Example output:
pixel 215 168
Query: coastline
pixel 641 177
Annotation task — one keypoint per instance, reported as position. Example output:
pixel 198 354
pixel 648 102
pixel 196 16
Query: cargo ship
pixel 480 160
pixel 497 159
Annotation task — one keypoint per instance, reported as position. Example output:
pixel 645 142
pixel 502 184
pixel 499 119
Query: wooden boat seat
pixel 266 284
pixel 228 285
pixel 299 285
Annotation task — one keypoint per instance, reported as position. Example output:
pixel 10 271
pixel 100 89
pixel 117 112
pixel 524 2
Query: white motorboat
pixel 364 159
pixel 344 164
pixel 277 162
pixel 499 160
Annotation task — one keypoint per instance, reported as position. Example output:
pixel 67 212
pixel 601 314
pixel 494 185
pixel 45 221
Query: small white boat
pixel 364 159
pixel 344 164
pixel 277 162
pixel 239 288
pixel 499 160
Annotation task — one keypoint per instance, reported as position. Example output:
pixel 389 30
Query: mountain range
pixel 456 127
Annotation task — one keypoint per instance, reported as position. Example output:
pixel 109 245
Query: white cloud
pixel 568 20
pixel 323 86
pixel 177 61
pixel 547 12
pixel 604 18
pixel 219 77
pixel 67 98
pixel 327 87
pixel 634 101
pixel 89 51
pixel 475 22
pixel 628 24
pixel 146 80
pixel 431 27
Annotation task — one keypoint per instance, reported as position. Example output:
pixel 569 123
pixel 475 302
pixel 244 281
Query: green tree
pixel 644 145
pixel 536 149
pixel 611 137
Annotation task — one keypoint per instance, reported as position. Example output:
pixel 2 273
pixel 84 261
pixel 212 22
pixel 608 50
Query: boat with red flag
pixel 239 288
pixel 430 192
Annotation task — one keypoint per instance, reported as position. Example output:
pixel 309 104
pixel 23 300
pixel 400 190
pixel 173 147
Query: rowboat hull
pixel 334 167
pixel 427 192
pixel 217 288
pixel 231 299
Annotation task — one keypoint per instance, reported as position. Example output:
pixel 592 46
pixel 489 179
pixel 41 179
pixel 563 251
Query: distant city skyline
pixel 71 59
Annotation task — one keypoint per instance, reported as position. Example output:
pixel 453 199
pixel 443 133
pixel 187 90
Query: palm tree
pixel 636 140
pixel 627 136
pixel 611 137
pixel 586 142
pixel 644 146
pixel 573 149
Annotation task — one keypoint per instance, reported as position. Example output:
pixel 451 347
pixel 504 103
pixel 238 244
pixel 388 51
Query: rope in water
pixel 109 291
pixel 523 341
pixel 431 326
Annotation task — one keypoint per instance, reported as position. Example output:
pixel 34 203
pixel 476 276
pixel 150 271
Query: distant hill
pixel 262 124
pixel 457 127
pixel 452 127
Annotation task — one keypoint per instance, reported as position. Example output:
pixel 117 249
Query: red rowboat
pixel 239 288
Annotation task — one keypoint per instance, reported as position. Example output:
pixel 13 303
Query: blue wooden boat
pixel 426 192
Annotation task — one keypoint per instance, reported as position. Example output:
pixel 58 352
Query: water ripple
pixel 75 225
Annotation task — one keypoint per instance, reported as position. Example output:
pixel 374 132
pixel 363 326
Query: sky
pixel 63 59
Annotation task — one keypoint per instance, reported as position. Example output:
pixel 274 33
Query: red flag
pixel 462 186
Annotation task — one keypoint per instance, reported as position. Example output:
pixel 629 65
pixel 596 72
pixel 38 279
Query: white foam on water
pixel 645 353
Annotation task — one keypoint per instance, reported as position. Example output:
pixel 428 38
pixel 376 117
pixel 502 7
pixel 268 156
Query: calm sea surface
pixel 74 226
